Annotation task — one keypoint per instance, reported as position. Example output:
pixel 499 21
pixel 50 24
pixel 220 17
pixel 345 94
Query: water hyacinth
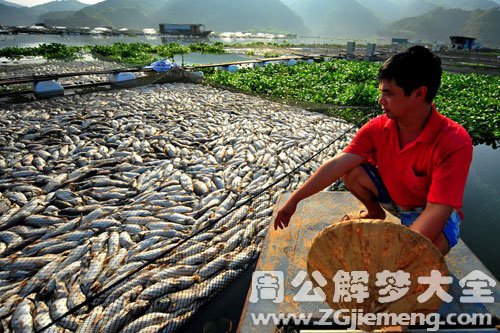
pixel 472 100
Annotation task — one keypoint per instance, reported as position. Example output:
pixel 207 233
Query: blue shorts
pixel 451 229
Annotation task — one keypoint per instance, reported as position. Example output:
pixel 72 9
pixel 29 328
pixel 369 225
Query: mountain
pixel 10 15
pixel 7 3
pixel 485 25
pixel 291 3
pixel 461 4
pixel 59 5
pixel 466 4
pixel 217 15
pixel 116 13
pixel 338 18
pixel 384 9
pixel 55 17
pixel 441 23
pixel 419 7
pixel 233 15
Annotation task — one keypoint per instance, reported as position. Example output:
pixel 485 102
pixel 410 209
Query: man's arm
pixel 432 220
pixel 326 174
pixel 446 191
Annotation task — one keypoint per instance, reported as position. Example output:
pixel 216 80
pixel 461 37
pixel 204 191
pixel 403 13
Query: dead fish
pixel 22 317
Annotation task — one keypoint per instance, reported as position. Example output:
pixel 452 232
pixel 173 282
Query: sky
pixel 30 3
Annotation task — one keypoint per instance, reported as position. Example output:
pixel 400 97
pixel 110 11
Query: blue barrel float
pixel 199 73
pixel 47 89
pixel 123 79
pixel 232 68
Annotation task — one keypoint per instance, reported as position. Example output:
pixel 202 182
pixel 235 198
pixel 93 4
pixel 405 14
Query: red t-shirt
pixel 432 168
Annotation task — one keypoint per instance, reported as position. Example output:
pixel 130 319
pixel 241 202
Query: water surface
pixel 481 226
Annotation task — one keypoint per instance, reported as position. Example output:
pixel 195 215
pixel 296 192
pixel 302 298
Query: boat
pixel 191 30
pixel 283 265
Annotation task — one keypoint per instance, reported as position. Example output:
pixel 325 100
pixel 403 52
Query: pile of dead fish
pixel 93 187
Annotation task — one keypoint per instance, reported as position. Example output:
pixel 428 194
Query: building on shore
pixel 463 43
pixel 194 30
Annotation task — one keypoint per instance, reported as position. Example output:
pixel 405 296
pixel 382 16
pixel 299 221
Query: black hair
pixel 412 69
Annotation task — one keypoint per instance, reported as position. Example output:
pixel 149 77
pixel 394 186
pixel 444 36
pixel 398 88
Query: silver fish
pixel 151 322
pixel 22 317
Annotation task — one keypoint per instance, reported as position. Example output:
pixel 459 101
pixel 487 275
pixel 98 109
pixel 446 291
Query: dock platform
pixel 286 251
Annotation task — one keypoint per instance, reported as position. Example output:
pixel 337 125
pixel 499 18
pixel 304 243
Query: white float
pixel 47 89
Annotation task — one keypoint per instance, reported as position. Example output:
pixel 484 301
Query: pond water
pixel 481 225
pixel 23 40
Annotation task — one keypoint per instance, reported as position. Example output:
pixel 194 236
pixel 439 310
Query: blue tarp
pixel 162 65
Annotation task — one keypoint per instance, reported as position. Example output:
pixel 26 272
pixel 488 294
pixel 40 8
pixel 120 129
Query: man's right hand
pixel 285 214
pixel 327 173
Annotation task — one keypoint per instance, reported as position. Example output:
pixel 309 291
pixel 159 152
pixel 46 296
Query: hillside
pixel 117 13
pixel 339 18
pixel 441 23
pixel 486 25
pixel 384 9
pixel 233 15
pixel 313 11
pixel 217 15
pixel 7 3
pixel 419 7
pixel 10 15
pixel 466 4
pixel 55 16
pixel 59 5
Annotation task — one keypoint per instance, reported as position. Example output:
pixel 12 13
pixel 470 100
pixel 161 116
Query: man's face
pixel 393 100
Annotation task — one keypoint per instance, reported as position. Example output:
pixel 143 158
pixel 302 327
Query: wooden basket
pixel 374 246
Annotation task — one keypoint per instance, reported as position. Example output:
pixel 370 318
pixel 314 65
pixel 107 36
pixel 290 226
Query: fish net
pixel 137 231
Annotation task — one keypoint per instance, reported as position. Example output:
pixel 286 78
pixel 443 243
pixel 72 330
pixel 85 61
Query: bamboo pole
pixel 46 77
pixel 251 61
pixel 37 78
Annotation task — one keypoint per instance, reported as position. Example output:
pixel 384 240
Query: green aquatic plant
pixel 59 51
pixel 48 51
pixel 171 49
pixel 143 53
pixel 216 48
pixel 16 53
pixel 472 100
pixel 269 54
pixel 127 53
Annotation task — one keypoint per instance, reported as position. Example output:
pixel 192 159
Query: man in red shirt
pixel 411 160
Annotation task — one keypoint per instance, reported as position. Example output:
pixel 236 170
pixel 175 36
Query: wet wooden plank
pixel 261 60
pixel 47 77
pixel 461 261
pixel 286 251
